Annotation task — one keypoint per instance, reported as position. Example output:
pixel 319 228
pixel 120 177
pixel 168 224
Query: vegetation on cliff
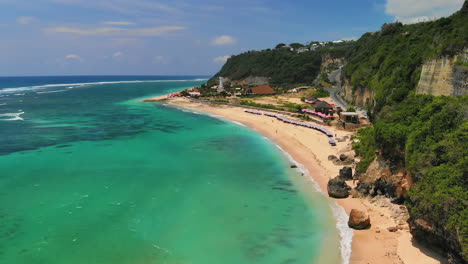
pixel 427 135
pixel 389 61
pixel 283 66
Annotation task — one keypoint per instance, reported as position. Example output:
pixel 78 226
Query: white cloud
pixel 221 59
pixel 73 57
pixel 224 40
pixel 117 54
pixel 413 11
pixel 24 20
pixel 119 23
pixel 161 60
pixel 115 31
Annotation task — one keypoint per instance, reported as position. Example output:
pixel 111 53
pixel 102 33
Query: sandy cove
pixel 311 149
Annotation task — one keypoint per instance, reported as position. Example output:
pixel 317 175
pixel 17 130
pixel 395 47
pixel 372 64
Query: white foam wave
pixel 76 85
pixel 14 116
pixel 3 104
pixel 346 234
pixel 56 91
pixel 238 123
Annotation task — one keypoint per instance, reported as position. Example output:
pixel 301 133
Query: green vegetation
pixel 389 62
pixel 429 136
pixel 319 93
pixel 425 134
pixel 461 63
pixel 281 65
pixel 285 68
pixel 365 148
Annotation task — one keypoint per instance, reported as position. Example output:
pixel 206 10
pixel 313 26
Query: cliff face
pixel 442 77
pixel 358 96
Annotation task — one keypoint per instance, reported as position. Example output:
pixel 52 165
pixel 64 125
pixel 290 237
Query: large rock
pixel 363 188
pixel 358 219
pixel 337 188
pixel 346 173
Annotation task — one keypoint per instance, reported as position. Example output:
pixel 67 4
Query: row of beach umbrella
pixel 325 131
pixel 313 112
pixel 253 112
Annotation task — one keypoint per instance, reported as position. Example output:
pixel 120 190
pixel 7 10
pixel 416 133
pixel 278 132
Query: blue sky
pixel 179 37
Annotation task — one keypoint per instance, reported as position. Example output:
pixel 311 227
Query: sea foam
pixel 14 116
pixel 77 85
pixel 346 234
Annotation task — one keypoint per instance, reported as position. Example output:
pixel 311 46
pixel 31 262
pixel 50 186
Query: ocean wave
pixel 238 123
pixel 55 91
pixel 76 85
pixel 14 116
pixel 346 234
pixel 3 104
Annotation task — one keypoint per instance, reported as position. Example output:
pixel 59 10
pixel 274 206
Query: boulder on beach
pixel 332 157
pixel 337 188
pixel 346 173
pixel 358 219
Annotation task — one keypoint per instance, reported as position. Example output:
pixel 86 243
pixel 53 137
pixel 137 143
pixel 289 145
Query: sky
pixel 179 37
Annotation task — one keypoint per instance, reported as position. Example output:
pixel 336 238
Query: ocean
pixel 90 174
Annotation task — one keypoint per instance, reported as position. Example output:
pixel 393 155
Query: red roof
pixel 263 89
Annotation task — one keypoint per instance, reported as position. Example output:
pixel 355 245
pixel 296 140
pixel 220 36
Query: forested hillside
pixel 425 134
pixel 283 66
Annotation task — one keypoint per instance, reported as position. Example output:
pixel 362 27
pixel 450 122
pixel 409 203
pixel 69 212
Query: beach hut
pixel 349 117
pixel 323 107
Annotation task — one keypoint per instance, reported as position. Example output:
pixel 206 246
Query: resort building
pixel 194 92
pixel 349 117
pixel 323 107
pixel 221 85
pixel 261 90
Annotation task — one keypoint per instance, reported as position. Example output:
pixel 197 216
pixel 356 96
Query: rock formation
pixel 337 188
pixel 358 220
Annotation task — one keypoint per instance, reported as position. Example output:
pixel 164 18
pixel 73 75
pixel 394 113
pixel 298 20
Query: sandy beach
pixel 311 149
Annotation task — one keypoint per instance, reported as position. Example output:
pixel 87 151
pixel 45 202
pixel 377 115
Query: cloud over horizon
pixel 119 23
pixel 224 40
pixel 116 31
pixel 24 20
pixel 221 59
pixel 73 57
pixel 413 11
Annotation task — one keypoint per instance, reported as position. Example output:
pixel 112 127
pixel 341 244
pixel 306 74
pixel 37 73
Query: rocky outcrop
pixel 337 188
pixel 357 95
pixel 346 173
pixel 426 233
pixel 358 220
pixel 442 76
pixel 381 179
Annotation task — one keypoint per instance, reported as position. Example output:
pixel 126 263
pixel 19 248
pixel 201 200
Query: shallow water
pixel 92 175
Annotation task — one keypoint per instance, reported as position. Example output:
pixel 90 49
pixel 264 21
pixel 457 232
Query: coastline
pixel 311 149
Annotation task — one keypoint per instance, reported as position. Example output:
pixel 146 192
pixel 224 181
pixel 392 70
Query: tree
pixel 296 45
pixel 280 46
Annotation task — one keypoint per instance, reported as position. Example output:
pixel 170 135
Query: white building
pixel 221 85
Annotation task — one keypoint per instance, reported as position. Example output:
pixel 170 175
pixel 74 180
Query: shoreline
pixel 310 149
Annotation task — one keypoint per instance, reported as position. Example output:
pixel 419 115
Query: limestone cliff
pixel 358 96
pixel 442 77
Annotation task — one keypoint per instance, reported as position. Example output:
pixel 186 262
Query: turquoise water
pixel 92 175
